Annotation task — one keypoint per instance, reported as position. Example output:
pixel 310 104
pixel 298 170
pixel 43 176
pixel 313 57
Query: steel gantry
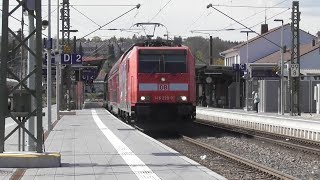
pixel 295 61
pixel 66 78
pixel 22 110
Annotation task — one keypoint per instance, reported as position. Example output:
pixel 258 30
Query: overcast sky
pixel 181 16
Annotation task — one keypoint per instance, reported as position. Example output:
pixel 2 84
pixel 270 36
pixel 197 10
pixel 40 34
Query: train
pixel 153 82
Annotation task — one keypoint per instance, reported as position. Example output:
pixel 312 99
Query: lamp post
pixel 49 74
pixel 282 70
pixel 205 31
pixel 247 32
pixel 58 65
pixel 247 82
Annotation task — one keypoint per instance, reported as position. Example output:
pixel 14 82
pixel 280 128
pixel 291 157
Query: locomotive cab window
pixel 162 61
pixel 149 63
pixel 175 63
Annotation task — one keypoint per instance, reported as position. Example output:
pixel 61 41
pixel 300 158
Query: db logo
pixel 163 87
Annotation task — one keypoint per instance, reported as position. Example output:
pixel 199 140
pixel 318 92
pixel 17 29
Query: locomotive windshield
pixel 162 61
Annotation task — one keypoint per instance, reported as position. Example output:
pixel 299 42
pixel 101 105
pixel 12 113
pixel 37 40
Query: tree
pixel 111 52
pixel 96 39
pixel 219 61
pixel 200 58
pixel 82 40
pixel 96 51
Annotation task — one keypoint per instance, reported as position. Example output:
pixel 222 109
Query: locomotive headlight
pixel 143 98
pixel 184 98
pixel 163 79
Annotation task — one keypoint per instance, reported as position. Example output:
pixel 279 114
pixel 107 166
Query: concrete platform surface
pixel 96 145
pixel 30 160
pixel 297 126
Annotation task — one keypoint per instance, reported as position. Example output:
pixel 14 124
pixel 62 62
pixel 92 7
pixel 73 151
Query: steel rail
pixel 261 168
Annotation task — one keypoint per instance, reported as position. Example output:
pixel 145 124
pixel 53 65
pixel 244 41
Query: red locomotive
pixel 153 82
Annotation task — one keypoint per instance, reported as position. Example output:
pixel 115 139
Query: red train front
pixel 153 84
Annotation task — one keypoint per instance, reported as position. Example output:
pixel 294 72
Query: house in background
pixel 262 60
pixel 259 47
pixel 309 56
pixel 309 72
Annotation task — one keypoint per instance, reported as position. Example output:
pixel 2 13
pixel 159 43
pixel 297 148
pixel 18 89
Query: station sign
pixel 47 43
pixel 84 74
pixel 69 59
pixel 239 67
pixel 87 75
pixel 295 70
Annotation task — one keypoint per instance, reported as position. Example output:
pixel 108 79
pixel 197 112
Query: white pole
pixel 49 74
pixel 282 75
pixel 58 65
pixel 247 81
pixel 31 80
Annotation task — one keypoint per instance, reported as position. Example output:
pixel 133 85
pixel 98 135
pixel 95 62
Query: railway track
pixel 300 144
pixel 252 166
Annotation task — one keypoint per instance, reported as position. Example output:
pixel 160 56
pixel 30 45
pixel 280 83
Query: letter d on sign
pixel 66 59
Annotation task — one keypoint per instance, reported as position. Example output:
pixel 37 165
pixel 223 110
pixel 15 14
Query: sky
pixel 180 17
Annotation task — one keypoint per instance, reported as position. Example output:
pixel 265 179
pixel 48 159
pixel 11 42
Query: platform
pixel 96 145
pixel 306 126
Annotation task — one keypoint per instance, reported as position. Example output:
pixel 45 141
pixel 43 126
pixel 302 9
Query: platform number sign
pixel 295 70
pixel 71 59
pixel 239 67
pixel 243 67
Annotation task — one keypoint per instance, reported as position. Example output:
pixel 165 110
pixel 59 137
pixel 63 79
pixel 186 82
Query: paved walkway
pixel 96 145
pixel 12 143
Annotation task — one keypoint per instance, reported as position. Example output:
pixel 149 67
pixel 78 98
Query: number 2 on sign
pixel 78 58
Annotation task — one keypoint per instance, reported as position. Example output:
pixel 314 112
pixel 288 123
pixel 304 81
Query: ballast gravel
pixel 294 162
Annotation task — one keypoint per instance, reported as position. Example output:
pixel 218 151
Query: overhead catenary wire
pixel 226 29
pixel 94 5
pixel 210 5
pixel 258 7
pixel 136 7
pixel 261 11
pixel 51 13
pixel 104 5
pixel 195 21
pixel 271 17
pixel 248 17
pixel 94 52
pixel 85 16
pixel 159 11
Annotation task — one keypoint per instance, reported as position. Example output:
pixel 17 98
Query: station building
pixel 231 85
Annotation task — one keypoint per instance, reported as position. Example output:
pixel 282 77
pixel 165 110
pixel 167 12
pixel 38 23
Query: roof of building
pixel 255 38
pixel 275 57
